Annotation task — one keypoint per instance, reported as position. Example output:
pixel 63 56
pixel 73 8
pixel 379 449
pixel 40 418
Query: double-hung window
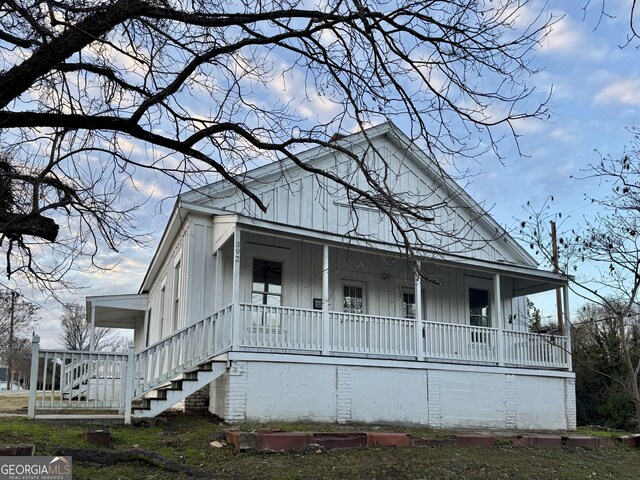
pixel 479 312
pixel 266 289
pixel 353 298
pixel 408 305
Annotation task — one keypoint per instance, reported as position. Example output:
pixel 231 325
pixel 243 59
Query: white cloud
pixel 566 37
pixel 624 91
pixel 563 134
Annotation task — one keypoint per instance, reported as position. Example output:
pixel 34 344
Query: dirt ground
pixel 14 401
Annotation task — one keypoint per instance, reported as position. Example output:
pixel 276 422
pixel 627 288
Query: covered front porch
pixel 304 296
pixel 290 292
pixel 112 380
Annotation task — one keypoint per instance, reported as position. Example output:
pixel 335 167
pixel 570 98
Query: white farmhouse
pixel 311 311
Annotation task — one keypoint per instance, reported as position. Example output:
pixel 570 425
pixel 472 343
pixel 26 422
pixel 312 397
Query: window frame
pixel 484 284
pixel 270 320
pixel 163 305
pixel 410 290
pixel 363 288
pixel 177 274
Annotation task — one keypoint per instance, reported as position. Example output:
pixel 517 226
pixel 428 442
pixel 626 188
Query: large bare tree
pixel 91 92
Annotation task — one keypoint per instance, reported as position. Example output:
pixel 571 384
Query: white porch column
pixel 500 321
pixel 235 324
pixel 420 326
pixel 326 327
pixel 567 324
pixel 92 332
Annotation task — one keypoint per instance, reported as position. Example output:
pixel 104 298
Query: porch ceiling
pixel 530 286
pixel 528 280
pixel 116 311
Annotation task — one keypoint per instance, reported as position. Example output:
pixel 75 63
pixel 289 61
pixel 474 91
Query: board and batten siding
pixel 298 198
pixel 384 279
pixel 162 309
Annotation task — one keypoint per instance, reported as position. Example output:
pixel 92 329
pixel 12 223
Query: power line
pixel 6 287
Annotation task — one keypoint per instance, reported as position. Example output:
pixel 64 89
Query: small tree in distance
pixel 76 332
pixel 601 385
pixel 604 255
pixel 18 318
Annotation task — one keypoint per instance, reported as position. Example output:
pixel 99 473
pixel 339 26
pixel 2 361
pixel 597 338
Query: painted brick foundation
pixel 437 396
pixel 343 401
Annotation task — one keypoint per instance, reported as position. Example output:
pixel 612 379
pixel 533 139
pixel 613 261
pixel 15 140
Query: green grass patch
pixel 186 439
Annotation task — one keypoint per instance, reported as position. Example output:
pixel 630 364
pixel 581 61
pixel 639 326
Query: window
pixel 163 296
pixel 176 295
pixel 353 299
pixel 266 289
pixel 408 305
pixel 479 308
pixel 479 313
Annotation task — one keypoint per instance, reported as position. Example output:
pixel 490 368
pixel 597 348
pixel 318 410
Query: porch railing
pixel 370 334
pixel 280 327
pixel 65 379
pixel 534 349
pixel 185 349
pixel 287 328
pixel 468 343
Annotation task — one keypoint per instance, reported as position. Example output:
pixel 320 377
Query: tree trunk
pixel 633 387
pixel 133 455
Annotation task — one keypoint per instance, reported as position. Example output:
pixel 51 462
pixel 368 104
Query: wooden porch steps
pixel 167 395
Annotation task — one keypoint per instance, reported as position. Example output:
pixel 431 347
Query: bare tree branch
pixel 202 89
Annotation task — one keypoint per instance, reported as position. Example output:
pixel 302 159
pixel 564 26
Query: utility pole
pixel 10 356
pixel 556 269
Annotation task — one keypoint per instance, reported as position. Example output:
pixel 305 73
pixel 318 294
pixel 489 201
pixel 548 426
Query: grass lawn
pixel 186 439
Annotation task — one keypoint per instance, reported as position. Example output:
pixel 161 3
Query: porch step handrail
pixel 82 372
pixel 76 372
pixel 181 351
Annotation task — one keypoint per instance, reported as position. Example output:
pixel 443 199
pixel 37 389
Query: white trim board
pixel 363 362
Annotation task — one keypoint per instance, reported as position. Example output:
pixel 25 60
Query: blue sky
pixel 596 97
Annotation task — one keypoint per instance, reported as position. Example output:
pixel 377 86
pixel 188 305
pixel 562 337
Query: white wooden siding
pixel 301 199
pixel 384 280
pixel 165 278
